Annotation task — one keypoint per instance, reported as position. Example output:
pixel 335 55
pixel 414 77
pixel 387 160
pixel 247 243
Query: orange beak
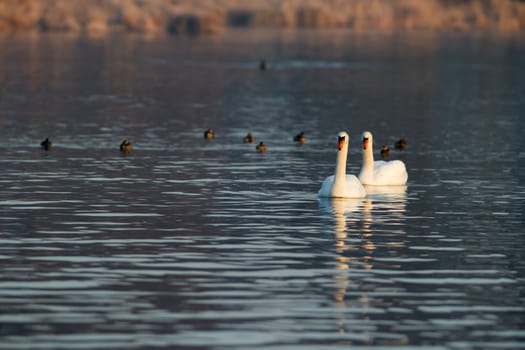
pixel 365 143
pixel 341 143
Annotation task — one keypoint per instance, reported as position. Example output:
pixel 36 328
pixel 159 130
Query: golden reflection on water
pixel 347 214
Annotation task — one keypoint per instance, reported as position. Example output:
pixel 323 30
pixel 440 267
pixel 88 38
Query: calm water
pixel 188 244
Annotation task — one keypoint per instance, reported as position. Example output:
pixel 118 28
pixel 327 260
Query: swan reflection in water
pixel 387 192
pixel 354 230
pixel 389 204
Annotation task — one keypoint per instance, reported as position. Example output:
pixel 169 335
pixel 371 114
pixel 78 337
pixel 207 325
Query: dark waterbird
pixel 46 144
pixel 401 144
pixel 249 138
pixel 261 147
pixel 301 137
pixel 209 134
pixel 264 65
pixel 385 151
pixel 125 147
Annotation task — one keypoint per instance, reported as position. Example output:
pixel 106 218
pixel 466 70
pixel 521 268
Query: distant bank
pixel 208 16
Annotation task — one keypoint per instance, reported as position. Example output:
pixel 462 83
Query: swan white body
pixel 340 184
pixel 380 173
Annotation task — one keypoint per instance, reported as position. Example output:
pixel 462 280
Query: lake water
pixel 194 244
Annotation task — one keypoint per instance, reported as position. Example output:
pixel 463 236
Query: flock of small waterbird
pixel 209 134
pixel 378 173
pixel 339 185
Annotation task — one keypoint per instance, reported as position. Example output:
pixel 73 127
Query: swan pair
pixel 378 173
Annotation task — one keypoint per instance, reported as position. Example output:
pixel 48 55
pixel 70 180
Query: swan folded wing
pixel 326 187
pixel 379 164
pixel 354 188
pixel 391 173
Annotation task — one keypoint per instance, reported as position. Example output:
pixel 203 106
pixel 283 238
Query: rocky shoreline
pixel 209 16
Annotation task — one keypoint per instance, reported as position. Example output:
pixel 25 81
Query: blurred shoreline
pixel 209 16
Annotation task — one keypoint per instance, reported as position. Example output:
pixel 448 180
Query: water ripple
pixel 188 243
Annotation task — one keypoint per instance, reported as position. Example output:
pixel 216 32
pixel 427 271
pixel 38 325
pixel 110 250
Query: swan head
pixel 367 140
pixel 342 138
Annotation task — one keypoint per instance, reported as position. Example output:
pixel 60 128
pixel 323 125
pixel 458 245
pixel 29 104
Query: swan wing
pixel 326 187
pixel 379 163
pixel 390 173
pixel 354 188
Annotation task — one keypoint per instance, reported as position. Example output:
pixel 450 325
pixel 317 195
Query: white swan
pixel 342 185
pixel 380 173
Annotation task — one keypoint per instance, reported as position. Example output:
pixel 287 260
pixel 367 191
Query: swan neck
pixel 340 166
pixel 368 157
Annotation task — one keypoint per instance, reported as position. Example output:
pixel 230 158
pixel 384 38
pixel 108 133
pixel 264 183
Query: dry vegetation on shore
pixel 203 16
